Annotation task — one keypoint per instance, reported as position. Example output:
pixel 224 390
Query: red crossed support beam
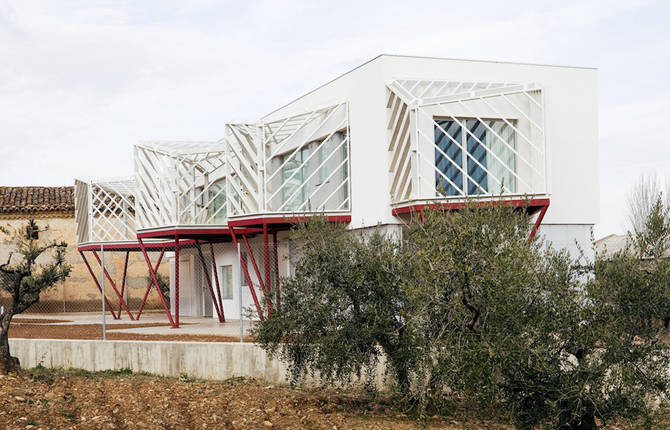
pixel 264 287
pixel 247 277
pixel 154 281
pixel 216 279
pixel 217 304
pixel 538 221
pixel 97 284
pixel 122 303
pixel 151 284
pixel 123 280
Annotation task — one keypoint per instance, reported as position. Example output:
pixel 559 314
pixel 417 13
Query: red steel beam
pixel 97 284
pixel 274 242
pixel 538 221
pixel 151 283
pixel 155 282
pixel 264 288
pixel 216 279
pixel 248 278
pixel 532 203
pixel 123 279
pixel 219 312
pixel 266 260
pixel 283 220
pixel 176 281
pixel 122 303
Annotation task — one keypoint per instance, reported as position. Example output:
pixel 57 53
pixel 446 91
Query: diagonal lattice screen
pixel 180 183
pixel 457 139
pixel 307 161
pixel 105 210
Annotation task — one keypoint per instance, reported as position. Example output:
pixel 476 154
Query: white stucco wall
pixel 571 128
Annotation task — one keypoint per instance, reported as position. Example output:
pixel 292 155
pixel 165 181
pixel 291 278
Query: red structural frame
pixel 539 205
pixel 178 237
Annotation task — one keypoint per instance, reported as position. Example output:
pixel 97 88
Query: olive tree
pixel 344 308
pixel 514 323
pixel 23 278
pixel 467 308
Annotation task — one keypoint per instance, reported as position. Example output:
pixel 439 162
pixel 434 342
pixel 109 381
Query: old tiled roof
pixel 36 199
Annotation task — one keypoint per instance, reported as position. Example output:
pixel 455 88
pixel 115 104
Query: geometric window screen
pixel 307 161
pixel 476 147
pixel 453 139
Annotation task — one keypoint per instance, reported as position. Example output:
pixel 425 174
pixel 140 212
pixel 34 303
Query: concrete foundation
pixel 215 361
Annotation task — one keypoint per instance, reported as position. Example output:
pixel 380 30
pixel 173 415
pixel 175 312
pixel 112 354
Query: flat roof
pixel 423 58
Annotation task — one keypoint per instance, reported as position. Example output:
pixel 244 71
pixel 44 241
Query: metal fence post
pixel 239 289
pixel 102 282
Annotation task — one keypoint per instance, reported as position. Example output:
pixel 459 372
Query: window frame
pixel 466 154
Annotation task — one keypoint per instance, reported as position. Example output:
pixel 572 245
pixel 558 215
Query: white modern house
pixel 371 147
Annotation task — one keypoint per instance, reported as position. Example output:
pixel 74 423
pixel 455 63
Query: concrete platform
pixel 188 325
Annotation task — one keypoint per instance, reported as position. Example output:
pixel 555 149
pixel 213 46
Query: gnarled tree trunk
pixel 7 362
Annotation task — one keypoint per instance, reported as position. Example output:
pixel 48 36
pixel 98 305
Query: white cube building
pixel 371 147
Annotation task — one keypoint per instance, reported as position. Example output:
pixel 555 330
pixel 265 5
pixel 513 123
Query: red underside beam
pixel 123 279
pixel 219 311
pixel 152 272
pixel 97 284
pixel 248 278
pixel 122 303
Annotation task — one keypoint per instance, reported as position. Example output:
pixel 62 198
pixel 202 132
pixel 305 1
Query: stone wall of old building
pixel 79 292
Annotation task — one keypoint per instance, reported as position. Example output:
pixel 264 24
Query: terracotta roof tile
pixel 36 199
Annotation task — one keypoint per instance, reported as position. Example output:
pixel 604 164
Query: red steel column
pixel 538 221
pixel 266 258
pixel 248 278
pixel 176 281
pixel 264 288
pixel 216 279
pixel 219 311
pixel 123 279
pixel 122 303
pixel 155 282
pixel 97 284
pixel 151 283
pixel 276 262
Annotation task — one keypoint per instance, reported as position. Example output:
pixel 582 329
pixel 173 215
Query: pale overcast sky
pixel 82 81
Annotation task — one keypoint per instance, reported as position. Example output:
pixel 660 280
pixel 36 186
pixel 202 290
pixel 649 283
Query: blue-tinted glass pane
pixel 477 151
pixel 444 164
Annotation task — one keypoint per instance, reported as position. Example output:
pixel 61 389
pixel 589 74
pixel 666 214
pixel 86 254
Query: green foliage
pixel 163 284
pixel 467 308
pixel 343 308
pixel 23 277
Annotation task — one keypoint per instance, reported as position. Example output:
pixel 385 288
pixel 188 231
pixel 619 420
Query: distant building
pixel 611 244
pixel 54 207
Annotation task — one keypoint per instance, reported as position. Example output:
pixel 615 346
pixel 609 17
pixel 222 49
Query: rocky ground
pixel 45 399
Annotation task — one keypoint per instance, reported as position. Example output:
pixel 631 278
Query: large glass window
pixel 489 161
pixel 217 202
pixel 293 176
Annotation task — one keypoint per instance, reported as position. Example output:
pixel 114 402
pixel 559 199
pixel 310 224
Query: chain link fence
pixel 214 275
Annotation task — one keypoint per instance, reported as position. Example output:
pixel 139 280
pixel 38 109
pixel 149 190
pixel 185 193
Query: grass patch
pixel 48 376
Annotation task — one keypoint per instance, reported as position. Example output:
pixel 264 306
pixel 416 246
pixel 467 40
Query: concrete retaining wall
pixel 216 361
